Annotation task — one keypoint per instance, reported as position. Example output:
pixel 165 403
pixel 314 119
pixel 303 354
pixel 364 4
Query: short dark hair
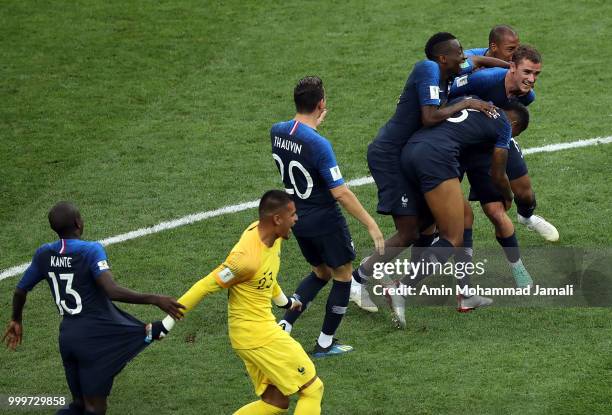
pixel 521 111
pixel 307 94
pixel 62 218
pixel 435 45
pixel 526 52
pixel 272 201
pixel 498 32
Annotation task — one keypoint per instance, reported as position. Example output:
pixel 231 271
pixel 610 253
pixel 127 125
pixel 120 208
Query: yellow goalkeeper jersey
pixel 250 272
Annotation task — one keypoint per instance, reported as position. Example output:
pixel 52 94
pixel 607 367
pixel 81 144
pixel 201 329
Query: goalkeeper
pixel 275 362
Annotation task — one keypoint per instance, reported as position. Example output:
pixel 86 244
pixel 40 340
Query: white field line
pixel 197 217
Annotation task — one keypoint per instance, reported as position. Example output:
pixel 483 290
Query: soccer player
pixel 431 163
pixel 276 363
pixel 501 86
pixel 421 104
pixel 503 43
pixel 310 173
pixel 96 338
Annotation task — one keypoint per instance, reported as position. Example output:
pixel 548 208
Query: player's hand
pixel 378 238
pixel 170 306
pixel 488 108
pixel 13 334
pixel 296 305
pixel 507 204
pixel 321 117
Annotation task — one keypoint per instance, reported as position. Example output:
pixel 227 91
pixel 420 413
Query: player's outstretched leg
pixel 311 395
pixel 306 292
pixel 525 200
pixel 337 304
pixel 506 237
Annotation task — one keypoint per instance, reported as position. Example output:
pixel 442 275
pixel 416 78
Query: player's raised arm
pixel 349 201
pixel 488 62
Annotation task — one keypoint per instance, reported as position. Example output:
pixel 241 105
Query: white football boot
pixel 540 225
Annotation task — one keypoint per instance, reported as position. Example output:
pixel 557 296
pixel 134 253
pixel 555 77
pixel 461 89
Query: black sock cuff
pixel 467 238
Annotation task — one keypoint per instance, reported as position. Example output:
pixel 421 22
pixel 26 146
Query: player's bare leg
pixel 407 228
pixel 272 402
pixel 506 236
pixel 446 204
pixel 525 200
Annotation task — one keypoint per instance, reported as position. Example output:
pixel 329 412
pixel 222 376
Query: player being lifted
pixel 503 43
pixel 96 338
pixel 311 175
pixel 500 86
pixel 422 103
pixel 431 163
pixel 276 363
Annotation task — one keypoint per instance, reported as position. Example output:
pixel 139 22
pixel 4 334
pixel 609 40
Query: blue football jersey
pixel 489 85
pixel 476 52
pixel 423 87
pixel 308 169
pixel 71 266
pixel 466 129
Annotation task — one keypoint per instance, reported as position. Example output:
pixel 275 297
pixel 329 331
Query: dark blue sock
pixel 306 292
pixel 442 250
pixel 525 209
pixel 511 247
pixel 420 246
pixel 464 254
pixel 357 277
pixel 337 303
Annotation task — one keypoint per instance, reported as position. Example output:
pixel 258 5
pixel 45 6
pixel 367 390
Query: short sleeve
pixel 467 67
pixel 504 133
pixel 527 99
pixel 427 82
pixel 98 261
pixel 328 166
pixel 237 268
pixel 33 274
pixel 276 289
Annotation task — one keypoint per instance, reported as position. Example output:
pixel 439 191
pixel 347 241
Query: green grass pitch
pixel 142 112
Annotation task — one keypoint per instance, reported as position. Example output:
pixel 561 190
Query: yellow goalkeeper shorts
pixel 282 363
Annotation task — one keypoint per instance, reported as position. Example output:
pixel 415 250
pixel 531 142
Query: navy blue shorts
pixel 478 167
pixel 95 351
pixel 333 249
pixel 427 165
pixel 386 171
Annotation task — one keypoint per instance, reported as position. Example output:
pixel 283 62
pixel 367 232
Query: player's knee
pixel 407 236
pixel 323 272
pixel 343 272
pixel 314 390
pixel 94 405
pixel 274 397
pixel 496 213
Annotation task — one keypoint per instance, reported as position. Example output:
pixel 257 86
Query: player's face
pixel 455 57
pixel 525 74
pixel 287 219
pixel 506 48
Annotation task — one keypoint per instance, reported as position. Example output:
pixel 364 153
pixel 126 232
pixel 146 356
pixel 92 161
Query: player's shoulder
pixel 426 67
pixel 281 127
pixel 494 74
pixel 249 240
pixel 476 52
